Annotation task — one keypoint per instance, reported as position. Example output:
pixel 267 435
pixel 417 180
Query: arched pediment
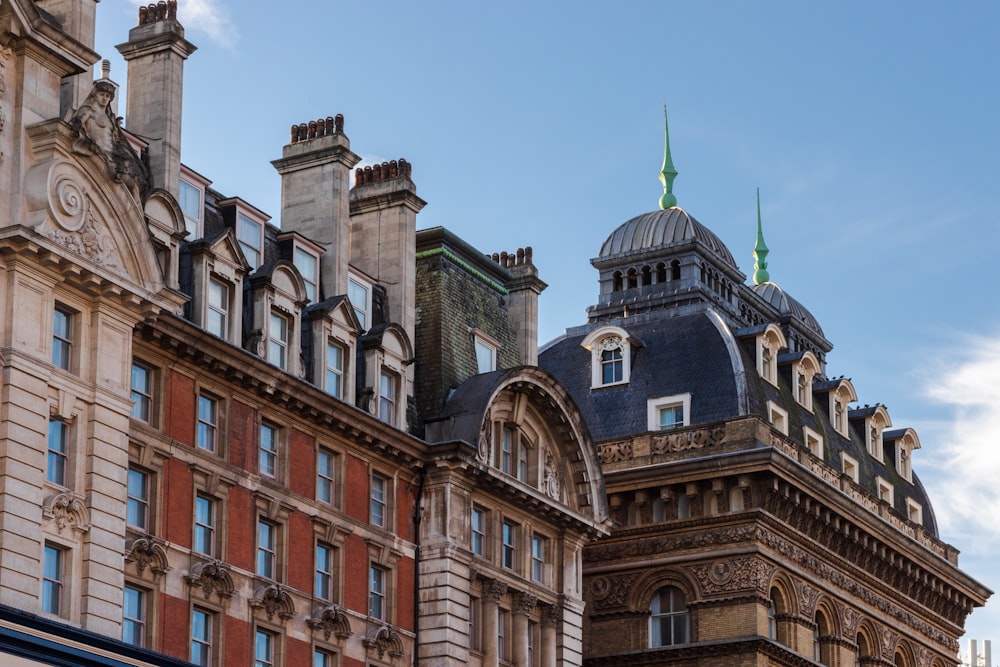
pixel 71 200
pixel 533 402
pixel 164 211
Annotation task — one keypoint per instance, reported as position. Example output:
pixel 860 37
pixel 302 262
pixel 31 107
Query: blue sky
pixel 870 128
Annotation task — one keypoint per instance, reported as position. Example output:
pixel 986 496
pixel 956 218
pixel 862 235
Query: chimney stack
pixel 522 301
pixel 155 53
pixel 384 207
pixel 77 20
pixel 315 168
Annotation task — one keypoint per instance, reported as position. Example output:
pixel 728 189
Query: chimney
pixel 155 53
pixel 522 301
pixel 77 20
pixel 315 168
pixel 384 207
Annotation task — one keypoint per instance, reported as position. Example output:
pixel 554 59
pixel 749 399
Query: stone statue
pixel 99 133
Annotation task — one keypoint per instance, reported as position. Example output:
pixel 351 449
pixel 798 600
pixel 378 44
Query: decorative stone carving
pixel 611 591
pixel 384 639
pixel 274 599
pixel 91 241
pixel 68 204
pixel 739 574
pixel 98 132
pixel 889 641
pixel 492 589
pixel 67 509
pixel 550 480
pixel 551 614
pixel 331 620
pixel 212 577
pixel 609 343
pixel 616 452
pixel 669 443
pixel 524 603
pixel 485 439
pixel 808 597
pixel 147 551
pixel 849 620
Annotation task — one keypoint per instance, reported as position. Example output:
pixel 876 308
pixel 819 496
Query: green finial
pixel 760 274
pixel 667 172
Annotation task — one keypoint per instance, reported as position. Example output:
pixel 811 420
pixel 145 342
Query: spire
pixel 667 172
pixel 760 274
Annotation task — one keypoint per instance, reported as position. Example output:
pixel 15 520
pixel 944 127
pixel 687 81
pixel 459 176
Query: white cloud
pixel 966 483
pixel 205 17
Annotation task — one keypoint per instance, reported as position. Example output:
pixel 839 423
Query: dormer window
pixel 778 417
pixel 333 329
pixel 250 234
pixel 840 393
pixel 876 420
pixel 486 351
pixel 768 343
pixel 813 442
pixel 803 373
pixel 217 294
pixel 277 340
pixel 191 197
pixel 307 262
pixel 903 443
pixel 217 320
pixel 278 295
pixel 360 293
pixel 669 412
pixel 610 351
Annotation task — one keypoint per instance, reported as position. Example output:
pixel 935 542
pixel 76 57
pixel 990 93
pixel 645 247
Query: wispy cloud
pixel 966 481
pixel 205 17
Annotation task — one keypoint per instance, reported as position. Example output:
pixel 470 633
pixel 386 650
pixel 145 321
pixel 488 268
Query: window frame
pixel 388 402
pixel 813 441
pixel 605 339
pixel 508 544
pixel 326 478
pixel 670 615
pixel 267 562
pixel 849 466
pixel 358 286
pixel 477 534
pixel 57 459
pixel 207 429
pixel 334 370
pixel 141 503
pixel 655 405
pixel 244 241
pixel 378 592
pixel 279 336
pixel 485 350
pixel 220 311
pixel 324 576
pixel 270 645
pixel 268 450
pixel 539 551
pixel 64 337
pixel 196 228
pixel 778 417
pixel 143 396
pixel 140 622
pixel 53 598
pixel 208 530
pixel 311 281
pixel 206 642
pixel 378 508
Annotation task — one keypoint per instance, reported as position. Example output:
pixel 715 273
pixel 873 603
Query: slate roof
pixel 680 355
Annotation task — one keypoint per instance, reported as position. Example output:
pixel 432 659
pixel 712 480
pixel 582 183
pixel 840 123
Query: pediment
pixel 71 200
pixel 226 249
pixel 285 279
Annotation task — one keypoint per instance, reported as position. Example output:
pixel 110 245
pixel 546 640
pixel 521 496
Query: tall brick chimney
pixel 155 53
pixel 77 20
pixel 315 168
pixel 384 207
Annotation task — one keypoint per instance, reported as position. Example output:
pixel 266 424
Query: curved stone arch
pixel 642 592
pixel 783 584
pixel 553 418
pixel 867 640
pixel 905 651
pixel 102 224
pixel 162 207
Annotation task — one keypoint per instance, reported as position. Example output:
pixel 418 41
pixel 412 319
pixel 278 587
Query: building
pixel 333 439
pixel 757 515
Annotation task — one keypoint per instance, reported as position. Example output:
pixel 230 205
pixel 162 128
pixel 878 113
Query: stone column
pixel 523 604
pixel 493 590
pixel 550 626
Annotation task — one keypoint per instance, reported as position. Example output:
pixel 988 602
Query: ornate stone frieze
pixel 669 443
pixel 67 509
pixel 616 452
pixel 849 620
pixel 274 599
pixel 660 544
pixel 611 591
pixel 89 241
pixel 147 552
pixel 384 639
pixel 212 577
pixel 737 574
pixel 331 620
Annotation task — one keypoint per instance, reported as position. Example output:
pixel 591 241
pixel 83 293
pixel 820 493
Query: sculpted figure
pixel 99 133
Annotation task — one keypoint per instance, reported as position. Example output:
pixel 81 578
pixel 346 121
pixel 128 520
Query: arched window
pixel 632 278
pixel 775 612
pixel 661 273
pixel 669 622
pixel 683 507
pixel 822 648
pixel 611 365
pixel 899 660
pixel 647 276
pixel 772 616
pixel 616 281
pixel 736 499
pixel 675 270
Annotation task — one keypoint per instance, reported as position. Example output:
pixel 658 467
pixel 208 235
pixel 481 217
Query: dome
pixel 787 306
pixel 662 229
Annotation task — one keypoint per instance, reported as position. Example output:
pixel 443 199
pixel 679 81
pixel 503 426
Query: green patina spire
pixel 760 274
pixel 667 172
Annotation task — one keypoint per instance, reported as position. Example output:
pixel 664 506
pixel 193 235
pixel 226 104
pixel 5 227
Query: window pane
pixel 55 470
pixel 248 233
pixel 378 500
pixel 207 413
pixel 264 649
pixel 334 369
pixel 142 391
pixel 277 343
pixel 308 266
pixel 265 549
pixel 485 357
pixel 387 398
pixel 358 295
pixel 62 339
pixel 323 587
pixel 268 450
pixel 218 308
pixel 52 580
pixel 201 638
pixel 324 476
pixel 134 616
pixel 204 525
pixel 137 509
